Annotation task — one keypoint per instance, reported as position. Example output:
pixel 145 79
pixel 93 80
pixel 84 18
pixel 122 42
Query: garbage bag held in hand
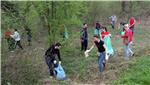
pixel 59 72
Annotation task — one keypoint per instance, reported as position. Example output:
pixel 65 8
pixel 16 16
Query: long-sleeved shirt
pixel 84 34
pixel 16 36
pixel 113 18
pixel 127 37
pixel 132 21
pixel 51 52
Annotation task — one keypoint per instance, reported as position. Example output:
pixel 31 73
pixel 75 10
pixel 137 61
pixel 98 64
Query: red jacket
pixel 104 34
pixel 132 21
pixel 127 37
pixel 130 35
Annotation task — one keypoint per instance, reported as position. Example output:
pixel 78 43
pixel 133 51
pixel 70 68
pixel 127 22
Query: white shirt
pixel 16 36
pixel 113 18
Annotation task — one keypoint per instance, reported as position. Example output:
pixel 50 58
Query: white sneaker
pixel 12 51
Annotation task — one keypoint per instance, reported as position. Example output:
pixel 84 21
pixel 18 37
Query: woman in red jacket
pixel 105 32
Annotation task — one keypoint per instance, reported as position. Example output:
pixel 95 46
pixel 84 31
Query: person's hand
pixel 59 62
pixel 86 53
pixel 81 40
pixel 55 61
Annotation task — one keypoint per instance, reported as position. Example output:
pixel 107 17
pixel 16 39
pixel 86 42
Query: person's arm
pixel 91 47
pixel 58 54
pixel 13 35
pixel 105 47
pixel 125 35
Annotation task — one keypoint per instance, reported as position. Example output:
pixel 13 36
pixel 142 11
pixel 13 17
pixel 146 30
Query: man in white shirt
pixel 113 20
pixel 16 37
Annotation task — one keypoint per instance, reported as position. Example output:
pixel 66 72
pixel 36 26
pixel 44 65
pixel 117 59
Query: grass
pixel 137 74
pixel 25 69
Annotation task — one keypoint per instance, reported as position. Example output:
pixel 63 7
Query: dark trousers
pixel 50 64
pixel 84 45
pixel 113 24
pixel 19 44
pixel 11 43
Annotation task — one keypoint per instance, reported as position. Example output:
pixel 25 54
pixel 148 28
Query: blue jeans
pixel 101 61
pixel 113 24
pixel 126 51
pixel 130 48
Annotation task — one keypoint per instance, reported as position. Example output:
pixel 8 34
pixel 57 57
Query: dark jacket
pixel 52 52
pixel 84 34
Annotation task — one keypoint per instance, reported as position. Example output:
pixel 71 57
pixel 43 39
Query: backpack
pixel 59 72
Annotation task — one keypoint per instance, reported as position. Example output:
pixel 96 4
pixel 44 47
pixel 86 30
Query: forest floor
pixel 27 67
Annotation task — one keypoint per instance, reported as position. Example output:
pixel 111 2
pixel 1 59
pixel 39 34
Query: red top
pixel 128 35
pixel 7 34
pixel 104 34
pixel 132 21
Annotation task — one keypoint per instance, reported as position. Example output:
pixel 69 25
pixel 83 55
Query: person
pixel 106 37
pixel 29 36
pixel 127 40
pixel 105 32
pixel 113 21
pixel 132 23
pixel 102 52
pixel 17 38
pixel 84 37
pixel 51 56
pixel 97 30
pixel 8 38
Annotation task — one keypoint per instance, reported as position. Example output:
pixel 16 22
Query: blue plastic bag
pixel 59 73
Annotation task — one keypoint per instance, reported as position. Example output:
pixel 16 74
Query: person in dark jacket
pixel 84 37
pixel 51 57
pixel 29 36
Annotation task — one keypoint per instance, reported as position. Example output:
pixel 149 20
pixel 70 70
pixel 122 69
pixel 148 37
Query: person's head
pixel 57 45
pixel 96 38
pixel 98 25
pixel 126 26
pixel 104 29
pixel 15 30
pixel 84 25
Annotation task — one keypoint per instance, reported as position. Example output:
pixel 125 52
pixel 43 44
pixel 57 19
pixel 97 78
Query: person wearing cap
pixel 51 55
pixel 127 40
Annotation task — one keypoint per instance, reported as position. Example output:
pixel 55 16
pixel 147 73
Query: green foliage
pixel 19 72
pixel 138 74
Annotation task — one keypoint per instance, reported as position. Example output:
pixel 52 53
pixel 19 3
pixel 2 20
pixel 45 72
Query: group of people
pixel 102 40
pixel 13 38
